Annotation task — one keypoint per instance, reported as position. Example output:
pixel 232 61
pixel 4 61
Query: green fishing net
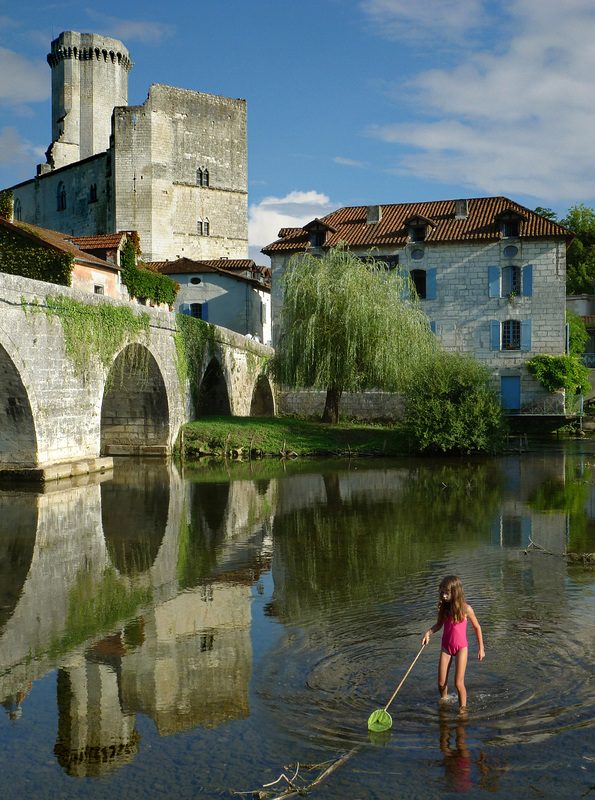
pixel 380 720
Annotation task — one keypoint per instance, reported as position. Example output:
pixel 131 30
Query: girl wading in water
pixel 453 613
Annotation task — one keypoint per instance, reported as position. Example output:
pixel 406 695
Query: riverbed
pixel 203 631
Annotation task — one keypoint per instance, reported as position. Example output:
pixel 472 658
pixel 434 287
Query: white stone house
pixel 490 275
pixel 234 293
pixel 173 168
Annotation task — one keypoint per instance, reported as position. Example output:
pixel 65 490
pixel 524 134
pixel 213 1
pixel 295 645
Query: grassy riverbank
pixel 268 436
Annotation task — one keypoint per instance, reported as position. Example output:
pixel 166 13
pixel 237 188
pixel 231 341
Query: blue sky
pixel 349 101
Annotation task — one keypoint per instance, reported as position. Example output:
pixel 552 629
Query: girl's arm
pixel 477 628
pixel 432 630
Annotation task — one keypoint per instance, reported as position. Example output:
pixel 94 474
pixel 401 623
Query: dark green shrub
pixel 560 372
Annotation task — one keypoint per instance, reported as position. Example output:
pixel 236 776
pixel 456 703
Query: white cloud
pixel 23 81
pixel 516 119
pixel 423 19
pixel 14 149
pixel 265 219
pixel 349 162
pixel 128 30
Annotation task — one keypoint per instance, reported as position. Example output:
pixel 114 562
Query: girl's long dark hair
pixel 455 609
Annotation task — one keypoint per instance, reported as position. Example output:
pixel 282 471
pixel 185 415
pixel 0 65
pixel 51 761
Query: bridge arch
pixel 135 407
pixel 213 395
pixel 18 437
pixel 262 403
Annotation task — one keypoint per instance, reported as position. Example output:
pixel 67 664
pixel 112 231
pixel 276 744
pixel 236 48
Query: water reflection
pixel 139 592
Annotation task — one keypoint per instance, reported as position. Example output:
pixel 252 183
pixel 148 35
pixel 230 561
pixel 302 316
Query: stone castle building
pixel 174 168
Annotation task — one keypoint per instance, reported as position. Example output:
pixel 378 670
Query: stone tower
pixel 89 78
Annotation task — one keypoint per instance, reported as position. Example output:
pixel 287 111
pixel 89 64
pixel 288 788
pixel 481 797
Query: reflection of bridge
pixel 57 422
pixel 129 619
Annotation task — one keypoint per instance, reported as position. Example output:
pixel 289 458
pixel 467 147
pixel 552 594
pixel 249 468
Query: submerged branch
pixel 587 559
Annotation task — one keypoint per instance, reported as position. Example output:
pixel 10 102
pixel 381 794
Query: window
pixel 511 281
pixel 98 289
pixel 417 233
pixel 510 228
pixel 418 276
pixel 17 210
pixel 61 197
pixel 93 193
pixel 195 281
pixel 317 238
pixel 202 176
pixel 511 335
pixel 199 227
pixel 196 310
pixel 205 227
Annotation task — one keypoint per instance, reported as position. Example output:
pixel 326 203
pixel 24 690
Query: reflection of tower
pixel 89 78
pixel 94 734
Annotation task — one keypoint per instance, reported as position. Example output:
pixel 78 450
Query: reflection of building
pixel 95 735
pixel 194 666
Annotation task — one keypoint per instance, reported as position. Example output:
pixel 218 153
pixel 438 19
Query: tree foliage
pixel 577 333
pixel 452 406
pixel 580 257
pixel 560 372
pixel 348 324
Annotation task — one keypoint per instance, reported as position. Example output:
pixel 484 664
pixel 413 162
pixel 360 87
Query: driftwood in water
pixel 294 790
pixel 587 559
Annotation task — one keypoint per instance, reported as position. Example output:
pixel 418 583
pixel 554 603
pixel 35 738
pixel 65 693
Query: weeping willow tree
pixel 348 324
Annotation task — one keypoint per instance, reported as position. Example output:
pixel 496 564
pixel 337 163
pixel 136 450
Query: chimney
pixel 461 209
pixel 373 215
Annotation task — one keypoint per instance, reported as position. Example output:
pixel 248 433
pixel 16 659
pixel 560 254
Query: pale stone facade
pixel 174 168
pixel 463 278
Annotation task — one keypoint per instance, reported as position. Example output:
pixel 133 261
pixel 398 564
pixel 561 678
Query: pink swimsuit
pixel 454 637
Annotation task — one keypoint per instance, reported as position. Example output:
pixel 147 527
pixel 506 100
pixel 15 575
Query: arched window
pixel 93 193
pixel 202 176
pixel 61 197
pixel 418 276
pixel 206 228
pixel 511 335
pixel 17 212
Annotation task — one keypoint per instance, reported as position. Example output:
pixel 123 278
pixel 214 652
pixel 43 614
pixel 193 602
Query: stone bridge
pixel 57 419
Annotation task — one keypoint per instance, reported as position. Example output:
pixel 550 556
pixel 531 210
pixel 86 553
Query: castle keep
pixel 174 168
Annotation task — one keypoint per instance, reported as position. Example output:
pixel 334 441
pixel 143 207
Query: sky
pixel 350 102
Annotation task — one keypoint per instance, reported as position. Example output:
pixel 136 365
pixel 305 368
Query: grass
pixel 217 436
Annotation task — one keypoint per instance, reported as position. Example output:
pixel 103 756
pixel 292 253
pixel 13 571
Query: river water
pixel 200 632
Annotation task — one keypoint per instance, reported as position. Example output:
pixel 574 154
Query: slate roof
pixel 59 241
pixel 482 223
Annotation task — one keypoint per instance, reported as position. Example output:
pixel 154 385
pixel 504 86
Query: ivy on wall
pixel 20 256
pixel 6 205
pixel 93 332
pixel 560 372
pixel 193 338
pixel 142 282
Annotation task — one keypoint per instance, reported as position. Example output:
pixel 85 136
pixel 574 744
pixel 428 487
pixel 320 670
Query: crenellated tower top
pixel 89 79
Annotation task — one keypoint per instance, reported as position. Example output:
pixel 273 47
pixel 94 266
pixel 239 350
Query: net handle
pixel 404 676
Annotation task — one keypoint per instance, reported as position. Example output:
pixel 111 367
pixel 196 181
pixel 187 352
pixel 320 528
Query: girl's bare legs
pixel 443 670
pixel 460 667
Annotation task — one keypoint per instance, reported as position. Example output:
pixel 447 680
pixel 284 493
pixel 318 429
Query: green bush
pixel 560 372
pixel 452 406
pixel 142 282
pixel 577 333
pixel 25 257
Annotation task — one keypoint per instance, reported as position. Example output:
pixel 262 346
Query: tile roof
pixel 480 224
pixel 60 241
pixel 234 267
pixel 106 241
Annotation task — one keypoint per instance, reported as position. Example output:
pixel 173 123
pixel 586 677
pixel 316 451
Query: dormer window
pixel 318 232
pixel 418 227
pixel 510 223
pixel 417 233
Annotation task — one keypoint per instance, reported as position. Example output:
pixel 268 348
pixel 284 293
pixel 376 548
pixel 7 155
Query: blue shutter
pixel 494 334
pixel 494 282
pixel 184 309
pixel 204 312
pixel 431 284
pixel 528 280
pixel 526 334
pixel 433 327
